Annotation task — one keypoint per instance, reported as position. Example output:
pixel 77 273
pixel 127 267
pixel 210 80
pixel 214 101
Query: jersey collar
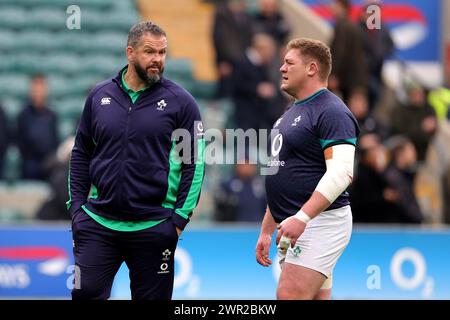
pixel 311 97
pixel 125 86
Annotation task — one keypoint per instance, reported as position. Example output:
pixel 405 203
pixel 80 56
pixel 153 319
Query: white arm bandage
pixel 339 172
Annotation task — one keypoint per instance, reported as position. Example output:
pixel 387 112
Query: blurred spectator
pixel 400 176
pixel 416 119
pixel 232 32
pixel 241 198
pixel 269 20
pixel 56 167
pixel 358 105
pixel 4 139
pixel 377 46
pixel 439 99
pixel 371 197
pixel 37 132
pixel 254 94
pixel 349 70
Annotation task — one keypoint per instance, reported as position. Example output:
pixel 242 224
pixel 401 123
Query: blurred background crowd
pixel 230 62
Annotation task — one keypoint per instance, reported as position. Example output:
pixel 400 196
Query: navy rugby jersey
pixel 125 152
pixel 298 143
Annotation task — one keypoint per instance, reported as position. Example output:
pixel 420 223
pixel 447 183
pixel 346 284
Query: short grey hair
pixel 139 29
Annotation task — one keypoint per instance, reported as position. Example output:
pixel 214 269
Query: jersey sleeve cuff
pixel 329 143
pixel 75 206
pixel 179 221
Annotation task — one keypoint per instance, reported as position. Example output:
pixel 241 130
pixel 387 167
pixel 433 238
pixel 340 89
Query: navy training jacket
pixel 125 164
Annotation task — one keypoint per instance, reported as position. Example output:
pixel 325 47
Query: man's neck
pixel 133 81
pixel 308 91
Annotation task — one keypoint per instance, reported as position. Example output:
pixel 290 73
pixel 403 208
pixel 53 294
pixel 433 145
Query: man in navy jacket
pixel 136 172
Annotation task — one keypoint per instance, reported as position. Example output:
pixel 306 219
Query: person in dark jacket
pixel 415 119
pixel 377 47
pixel 349 72
pixel 368 123
pixel 372 197
pixel 37 130
pixel 254 93
pixel 136 173
pixel 269 20
pixel 231 35
pixel 400 176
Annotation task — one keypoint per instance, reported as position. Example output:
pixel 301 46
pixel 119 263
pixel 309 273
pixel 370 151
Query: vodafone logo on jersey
pixel 277 143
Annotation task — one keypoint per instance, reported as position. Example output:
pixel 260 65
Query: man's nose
pixel 156 57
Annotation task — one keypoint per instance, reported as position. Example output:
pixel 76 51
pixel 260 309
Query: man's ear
pixel 312 69
pixel 130 53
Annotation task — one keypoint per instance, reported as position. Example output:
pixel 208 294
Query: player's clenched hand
pixel 291 228
pixel 262 250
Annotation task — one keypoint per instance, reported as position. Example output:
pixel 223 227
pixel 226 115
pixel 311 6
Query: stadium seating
pixel 35 39
pixel 12 17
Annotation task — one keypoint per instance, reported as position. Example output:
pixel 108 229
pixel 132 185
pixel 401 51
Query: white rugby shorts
pixel 322 243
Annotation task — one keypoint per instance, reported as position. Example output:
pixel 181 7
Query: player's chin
pixel 154 76
pixel 284 86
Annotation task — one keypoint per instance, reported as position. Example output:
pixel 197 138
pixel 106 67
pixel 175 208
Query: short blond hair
pixel 315 50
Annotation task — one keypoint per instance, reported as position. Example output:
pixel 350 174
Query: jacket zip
pixel 124 144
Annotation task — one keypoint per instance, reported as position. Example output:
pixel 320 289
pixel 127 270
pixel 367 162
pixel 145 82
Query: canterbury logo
pixel 105 101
